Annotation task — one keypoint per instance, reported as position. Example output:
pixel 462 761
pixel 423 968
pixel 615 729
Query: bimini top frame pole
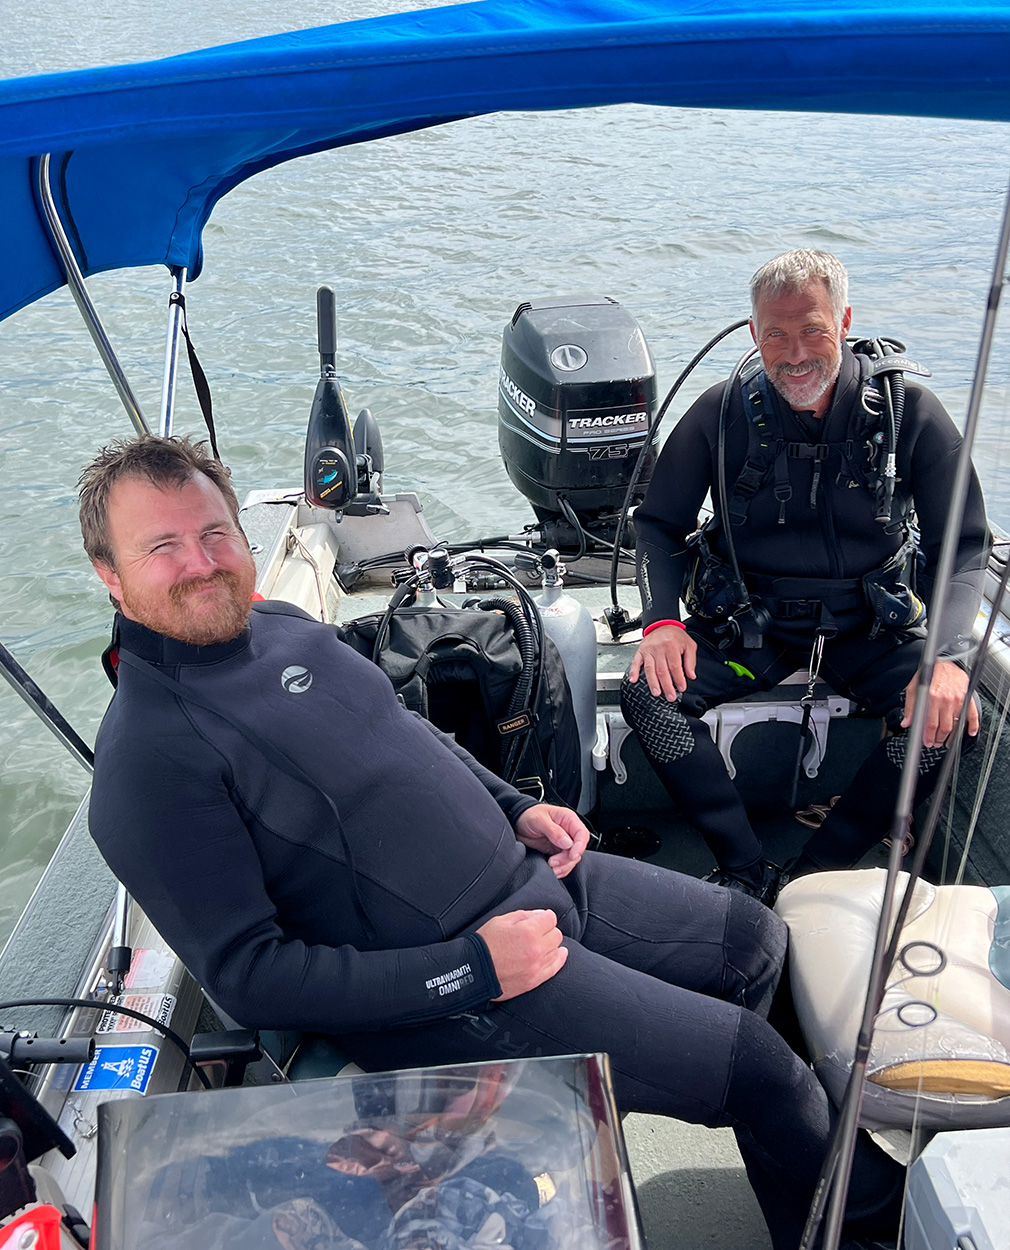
pixel 19 681
pixel 175 314
pixel 75 280
pixel 838 1167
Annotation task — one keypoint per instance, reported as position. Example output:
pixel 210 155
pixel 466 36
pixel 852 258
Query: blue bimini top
pixel 142 153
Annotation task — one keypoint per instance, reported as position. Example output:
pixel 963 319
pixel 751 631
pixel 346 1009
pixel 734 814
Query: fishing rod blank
pixel 837 1171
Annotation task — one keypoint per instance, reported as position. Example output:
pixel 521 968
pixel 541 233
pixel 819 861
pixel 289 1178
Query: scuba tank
pixel 572 631
pixel 331 470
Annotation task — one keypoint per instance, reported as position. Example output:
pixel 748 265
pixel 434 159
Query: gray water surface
pixel 430 241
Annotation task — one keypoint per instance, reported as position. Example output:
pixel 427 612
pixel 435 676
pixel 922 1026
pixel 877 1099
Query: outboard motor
pixel 576 401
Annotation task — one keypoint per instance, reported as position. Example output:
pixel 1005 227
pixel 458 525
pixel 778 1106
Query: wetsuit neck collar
pixel 159 649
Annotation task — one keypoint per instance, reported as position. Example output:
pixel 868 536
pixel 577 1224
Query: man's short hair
pixel 790 273
pixel 164 462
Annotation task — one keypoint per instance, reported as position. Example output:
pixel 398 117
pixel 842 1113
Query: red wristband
pixel 658 624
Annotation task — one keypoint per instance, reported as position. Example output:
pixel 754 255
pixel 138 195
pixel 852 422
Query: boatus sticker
pixel 158 1006
pixel 118 1067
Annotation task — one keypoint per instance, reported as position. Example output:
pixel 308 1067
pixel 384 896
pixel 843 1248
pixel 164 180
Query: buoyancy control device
pixel 576 402
pixel 714 588
pixel 487 673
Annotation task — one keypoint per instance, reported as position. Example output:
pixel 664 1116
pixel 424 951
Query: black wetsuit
pixel 358 919
pixel 797 554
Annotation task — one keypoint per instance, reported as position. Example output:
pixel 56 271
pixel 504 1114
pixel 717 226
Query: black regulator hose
pixel 399 596
pixel 727 524
pixel 570 516
pixel 643 454
pixel 894 402
pixel 532 616
pixel 527 649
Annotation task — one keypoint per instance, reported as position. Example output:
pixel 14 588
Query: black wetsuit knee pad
pixel 896 747
pixel 663 729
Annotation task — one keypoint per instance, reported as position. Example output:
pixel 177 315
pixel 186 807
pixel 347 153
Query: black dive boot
pixel 761 880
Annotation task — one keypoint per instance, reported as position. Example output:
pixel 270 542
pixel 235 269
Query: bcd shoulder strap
pixel 768 451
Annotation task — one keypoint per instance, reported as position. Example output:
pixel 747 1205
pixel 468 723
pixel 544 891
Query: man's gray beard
pixel 825 377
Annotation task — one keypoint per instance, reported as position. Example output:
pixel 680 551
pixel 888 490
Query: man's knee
pixel 897 743
pixel 896 748
pixel 755 949
pixel 665 732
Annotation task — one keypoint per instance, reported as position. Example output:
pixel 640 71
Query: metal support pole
pixel 22 684
pixel 75 281
pixel 172 353
pixel 841 1153
pixel 120 956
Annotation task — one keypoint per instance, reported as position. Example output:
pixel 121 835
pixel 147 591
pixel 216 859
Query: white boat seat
pixel 941 1047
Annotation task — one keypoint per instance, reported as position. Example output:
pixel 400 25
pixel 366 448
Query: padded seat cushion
pixel 942 1039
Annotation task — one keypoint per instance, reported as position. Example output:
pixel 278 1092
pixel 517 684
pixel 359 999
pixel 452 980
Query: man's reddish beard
pixel 220 617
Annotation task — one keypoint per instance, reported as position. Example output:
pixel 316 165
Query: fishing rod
pixel 833 1184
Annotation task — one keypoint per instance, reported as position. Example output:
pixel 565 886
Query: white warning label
pixel 158 1006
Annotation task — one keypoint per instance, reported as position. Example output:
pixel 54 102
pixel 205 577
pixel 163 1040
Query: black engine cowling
pixel 576 401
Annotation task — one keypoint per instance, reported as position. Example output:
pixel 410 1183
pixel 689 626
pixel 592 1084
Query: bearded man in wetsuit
pixel 324 860
pixel 823 549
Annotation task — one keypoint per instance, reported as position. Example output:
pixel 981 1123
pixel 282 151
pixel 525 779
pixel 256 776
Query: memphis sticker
pixel 118 1067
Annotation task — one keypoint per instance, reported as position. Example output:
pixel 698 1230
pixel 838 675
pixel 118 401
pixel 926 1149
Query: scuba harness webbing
pixel 881 399
pixel 715 588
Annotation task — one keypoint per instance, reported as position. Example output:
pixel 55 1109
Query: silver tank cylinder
pixel 572 631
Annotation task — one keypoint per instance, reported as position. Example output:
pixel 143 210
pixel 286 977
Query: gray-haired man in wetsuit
pixel 824 554
pixel 324 860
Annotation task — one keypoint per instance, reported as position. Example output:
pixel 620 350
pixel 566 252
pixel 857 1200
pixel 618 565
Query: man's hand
pixel 667 658
pixel 946 694
pixel 525 948
pixel 547 828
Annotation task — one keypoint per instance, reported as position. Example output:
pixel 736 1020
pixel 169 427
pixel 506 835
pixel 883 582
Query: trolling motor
pixel 343 468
